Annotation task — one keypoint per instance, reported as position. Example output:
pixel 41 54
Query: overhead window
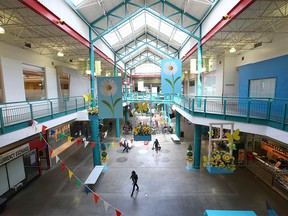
pixel 139 21
pixel 147 68
pixel 111 38
pixel 262 88
pixel 180 36
pixel 125 30
pixel 166 29
pixel 152 21
pixel 77 2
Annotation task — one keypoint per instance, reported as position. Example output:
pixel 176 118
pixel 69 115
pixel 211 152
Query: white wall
pixel 230 85
pixel 78 84
pixel 278 47
pixel 12 80
pixel 51 82
pixel 219 76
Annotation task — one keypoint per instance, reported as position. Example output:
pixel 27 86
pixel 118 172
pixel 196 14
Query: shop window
pixel 31 165
pixel 34 83
pixel 209 84
pixel 262 88
pixel 64 85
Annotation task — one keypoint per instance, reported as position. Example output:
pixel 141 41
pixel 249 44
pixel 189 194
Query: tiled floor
pixel 166 187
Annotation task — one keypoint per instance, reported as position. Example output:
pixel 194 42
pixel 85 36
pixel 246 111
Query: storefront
pixel 19 166
pixel 269 161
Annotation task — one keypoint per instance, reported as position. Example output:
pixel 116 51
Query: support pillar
pixel 197 146
pixel 126 114
pixel 94 121
pixel 199 66
pixel 131 86
pixel 117 120
pixel 177 127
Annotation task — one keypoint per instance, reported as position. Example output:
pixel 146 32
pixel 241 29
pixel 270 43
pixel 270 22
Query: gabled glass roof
pixel 77 2
pixel 139 23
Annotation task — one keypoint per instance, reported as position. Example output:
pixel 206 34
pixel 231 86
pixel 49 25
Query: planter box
pixel 142 138
pixel 93 117
pixel 216 170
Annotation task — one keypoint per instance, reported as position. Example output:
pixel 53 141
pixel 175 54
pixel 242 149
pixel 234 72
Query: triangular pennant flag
pixel 120 143
pixel 70 174
pixel 52 132
pixel 108 145
pixel 36 129
pixel 93 144
pixel 46 145
pixel 61 135
pixel 43 128
pixel 106 205
pixel 41 136
pixel 102 145
pixel 57 159
pixel 118 213
pixel 69 138
pixel 87 190
pixel 114 144
pixel 78 182
pixel 96 198
pixel 79 141
pixel 34 123
pixel 63 166
pixel 51 151
pixel 86 143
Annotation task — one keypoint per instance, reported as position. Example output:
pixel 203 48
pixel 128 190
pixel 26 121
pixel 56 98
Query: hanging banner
pixel 109 97
pixel 171 71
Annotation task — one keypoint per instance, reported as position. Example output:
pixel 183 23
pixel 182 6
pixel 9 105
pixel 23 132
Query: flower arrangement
pixel 222 159
pixel 104 154
pixel 189 154
pixel 93 111
pixel 142 130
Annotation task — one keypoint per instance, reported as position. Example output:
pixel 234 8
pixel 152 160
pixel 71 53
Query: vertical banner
pixel 109 97
pixel 98 68
pixel 171 71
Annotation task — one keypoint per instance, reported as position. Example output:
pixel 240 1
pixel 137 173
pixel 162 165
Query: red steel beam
pixel 146 75
pixel 234 12
pixel 47 14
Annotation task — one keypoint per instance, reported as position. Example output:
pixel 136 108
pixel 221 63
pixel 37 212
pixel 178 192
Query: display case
pixel 280 182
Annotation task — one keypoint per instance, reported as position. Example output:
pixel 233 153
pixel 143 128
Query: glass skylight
pixel 77 2
pixel 125 30
pixel 147 68
pixel 139 21
pixel 152 21
pixel 180 36
pixel 166 29
pixel 111 38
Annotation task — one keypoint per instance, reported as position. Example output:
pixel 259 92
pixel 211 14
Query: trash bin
pixel 182 134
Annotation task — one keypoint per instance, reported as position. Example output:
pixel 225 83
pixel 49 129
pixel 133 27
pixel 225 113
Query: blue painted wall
pixel 276 67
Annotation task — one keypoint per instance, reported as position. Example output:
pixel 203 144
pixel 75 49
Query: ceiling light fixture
pixel 232 50
pixel 60 54
pixel 2 30
pixel 88 72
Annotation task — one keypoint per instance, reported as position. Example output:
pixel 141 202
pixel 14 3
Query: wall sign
pixel 14 153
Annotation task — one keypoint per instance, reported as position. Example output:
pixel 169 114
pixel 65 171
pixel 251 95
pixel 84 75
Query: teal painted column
pixel 125 79
pixel 197 146
pixel 94 121
pixel 126 114
pixel 177 127
pixel 117 120
pixel 131 86
pixel 199 66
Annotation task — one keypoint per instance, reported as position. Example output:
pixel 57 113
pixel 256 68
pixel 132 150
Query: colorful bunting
pixel 120 143
pixel 78 182
pixel 41 136
pixel 61 135
pixel 52 132
pixel 86 143
pixel 79 141
pixel 108 145
pixel 87 190
pixel 63 166
pixel 57 159
pixel 114 144
pixel 96 198
pixel 36 129
pixel 93 144
pixel 106 205
pixel 70 174
pixel 132 140
pixel 69 139
pixel 34 123
pixel 43 128
pixel 51 151
pixel 118 213
pixel 102 145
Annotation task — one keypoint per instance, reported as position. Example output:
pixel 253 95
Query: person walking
pixel 134 178
pixel 157 146
pixel 126 146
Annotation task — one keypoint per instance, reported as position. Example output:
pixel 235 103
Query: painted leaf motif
pixel 107 104
pixel 115 102
pixel 176 79
pixel 170 83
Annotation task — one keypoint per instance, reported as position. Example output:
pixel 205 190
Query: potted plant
pixel 221 162
pixel 142 133
pixel 92 111
pixel 189 157
pixel 104 157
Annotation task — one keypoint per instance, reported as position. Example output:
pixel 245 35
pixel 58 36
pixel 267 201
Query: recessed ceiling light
pixel 60 54
pixel 232 50
pixel 2 30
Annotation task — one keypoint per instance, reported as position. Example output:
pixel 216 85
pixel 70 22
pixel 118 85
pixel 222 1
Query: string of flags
pixel 79 182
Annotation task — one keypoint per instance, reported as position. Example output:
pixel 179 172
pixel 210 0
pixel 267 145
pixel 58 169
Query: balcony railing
pixel 264 111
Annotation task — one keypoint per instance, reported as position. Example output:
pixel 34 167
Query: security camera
pixel 226 17
pixel 61 22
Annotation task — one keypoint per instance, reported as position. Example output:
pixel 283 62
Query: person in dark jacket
pixel 134 178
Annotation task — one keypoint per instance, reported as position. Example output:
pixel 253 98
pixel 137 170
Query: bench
pixel 175 138
pixel 229 213
pixel 94 175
